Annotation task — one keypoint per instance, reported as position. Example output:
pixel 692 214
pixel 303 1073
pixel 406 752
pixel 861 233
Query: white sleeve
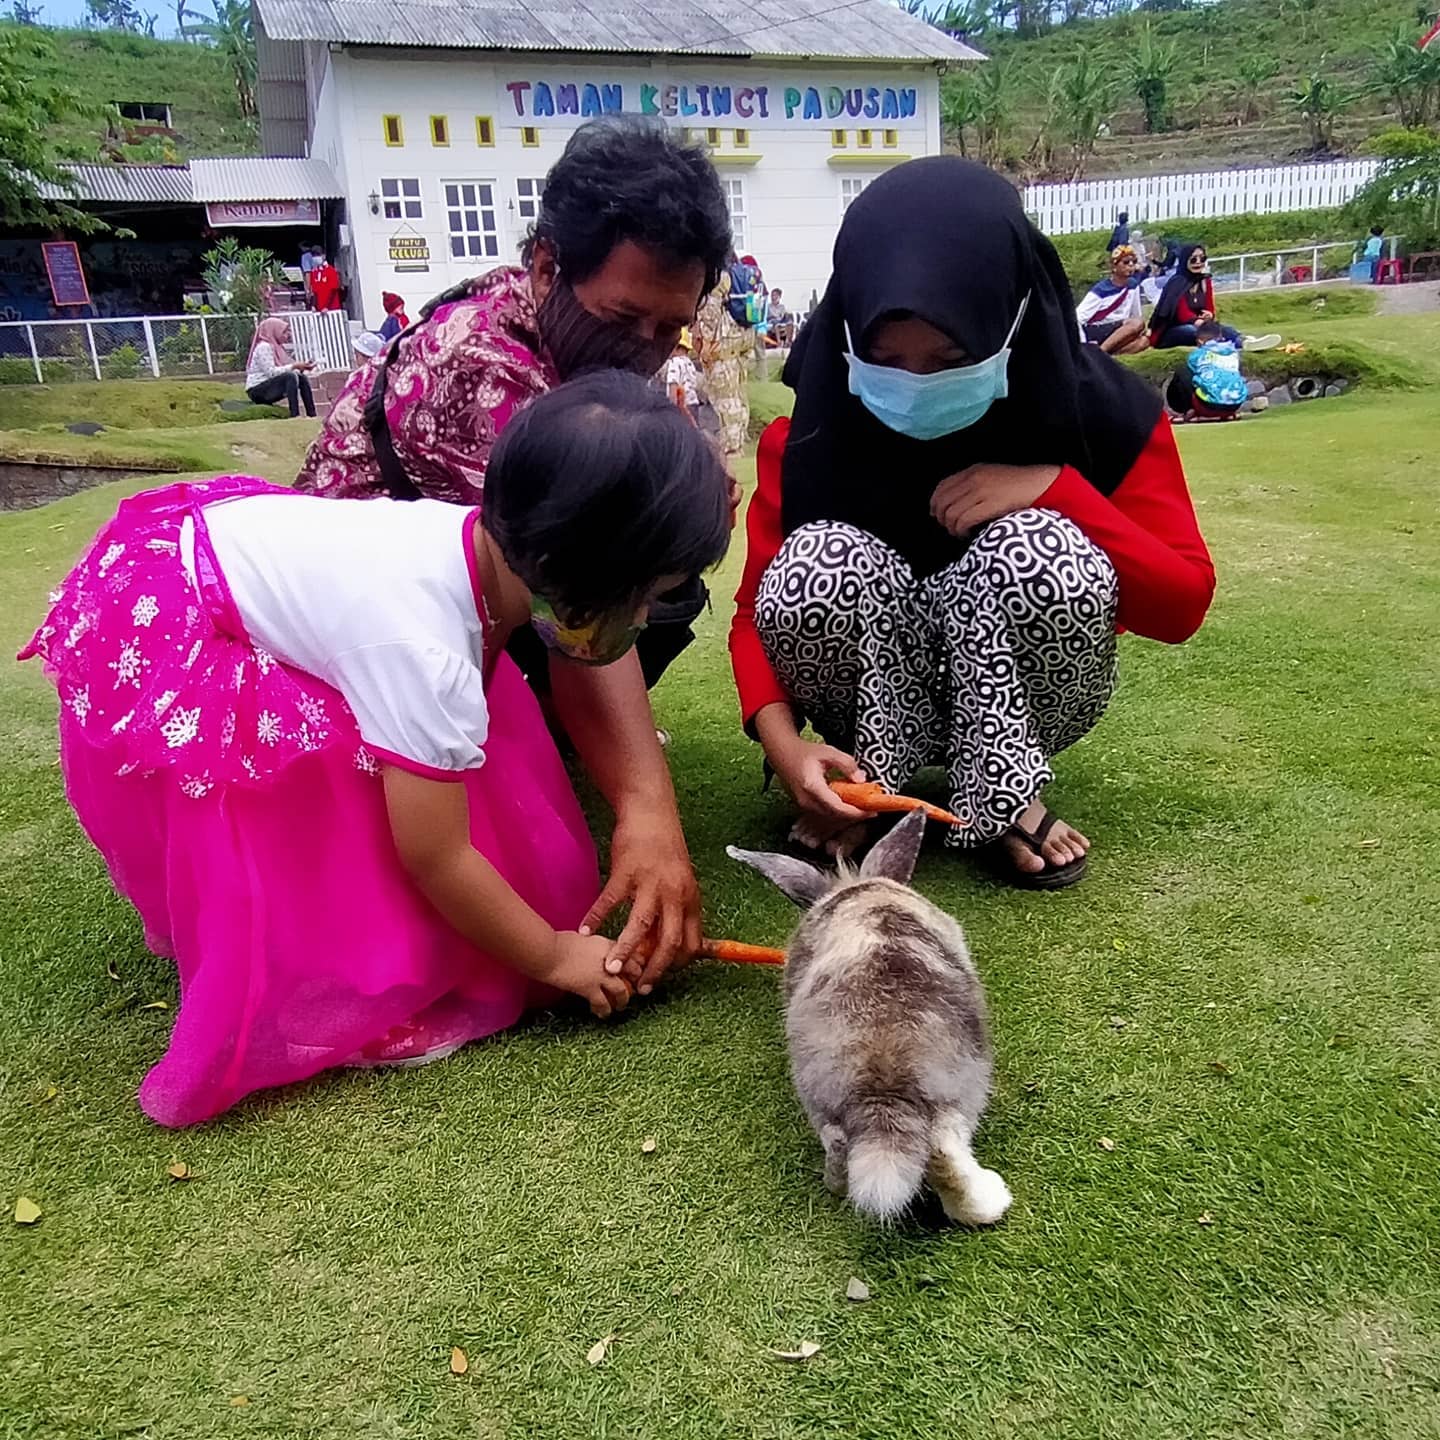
pixel 262 362
pixel 418 706
pixel 1090 302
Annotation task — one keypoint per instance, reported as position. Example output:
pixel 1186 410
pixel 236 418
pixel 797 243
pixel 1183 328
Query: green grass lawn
pixel 1244 996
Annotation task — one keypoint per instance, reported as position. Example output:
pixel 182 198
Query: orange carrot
pixel 744 954
pixel 876 800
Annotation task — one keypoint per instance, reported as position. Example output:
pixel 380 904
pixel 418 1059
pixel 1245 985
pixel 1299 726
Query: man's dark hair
pixel 1377 229
pixel 600 488
pixel 626 177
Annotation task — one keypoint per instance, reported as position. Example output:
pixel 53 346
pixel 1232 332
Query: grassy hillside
pixel 105 66
pixel 1219 119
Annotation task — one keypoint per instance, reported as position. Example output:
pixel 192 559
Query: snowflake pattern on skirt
pixel 156 667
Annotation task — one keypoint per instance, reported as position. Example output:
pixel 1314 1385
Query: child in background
pixel 682 377
pixel 1209 386
pixel 290 727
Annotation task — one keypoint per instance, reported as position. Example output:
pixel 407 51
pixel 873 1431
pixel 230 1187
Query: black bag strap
pixel 377 424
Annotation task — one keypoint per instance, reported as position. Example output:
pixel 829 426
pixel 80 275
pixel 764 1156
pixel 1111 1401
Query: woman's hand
pixel 804 767
pixel 650 868
pixel 981 493
pixel 578 964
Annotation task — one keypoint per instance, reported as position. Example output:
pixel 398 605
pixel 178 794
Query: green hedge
pixel 1329 361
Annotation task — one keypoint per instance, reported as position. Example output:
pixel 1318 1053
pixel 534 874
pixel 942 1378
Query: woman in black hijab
pixel 945 532
pixel 1186 303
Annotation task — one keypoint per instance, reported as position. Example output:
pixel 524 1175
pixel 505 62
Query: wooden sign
pixel 67 275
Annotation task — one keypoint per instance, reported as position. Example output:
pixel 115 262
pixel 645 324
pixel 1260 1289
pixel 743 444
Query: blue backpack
pixel 742 300
pixel 1215 373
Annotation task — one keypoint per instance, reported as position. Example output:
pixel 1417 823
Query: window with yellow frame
pixel 839 139
pixel 484 131
pixel 393 130
pixel 439 129
pixel 530 137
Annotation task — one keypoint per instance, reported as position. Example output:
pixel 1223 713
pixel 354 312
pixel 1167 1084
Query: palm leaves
pixel 231 34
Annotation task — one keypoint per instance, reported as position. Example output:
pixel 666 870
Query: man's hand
pixel 650 869
pixel 981 493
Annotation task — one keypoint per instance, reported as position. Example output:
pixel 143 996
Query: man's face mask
pixel 925 407
pixel 601 641
pixel 578 340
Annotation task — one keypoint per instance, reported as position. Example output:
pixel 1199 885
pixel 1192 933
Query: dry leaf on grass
pixel 238 1400
pixel 856 1289
pixel 1105 1143
pixel 599 1350
pixel 804 1351
pixel 648 1145
pixel 459 1361
pixel 1204 1218
pixel 111 971
pixel 51 1091
pixel 27 1212
pixel 1118 1022
pixel 1369 845
pixel 157 1005
pixel 1221 1068
pixel 179 1170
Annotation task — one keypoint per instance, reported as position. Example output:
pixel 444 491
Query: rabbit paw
pixel 983 1201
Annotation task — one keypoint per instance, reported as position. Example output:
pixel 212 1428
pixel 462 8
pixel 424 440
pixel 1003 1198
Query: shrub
pixel 122 363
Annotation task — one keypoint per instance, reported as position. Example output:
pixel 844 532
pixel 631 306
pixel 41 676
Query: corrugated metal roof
pixel 128 184
pixel 822 29
pixel 269 177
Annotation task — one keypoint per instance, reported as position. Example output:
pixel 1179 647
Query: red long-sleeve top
pixel 1186 313
pixel 1146 526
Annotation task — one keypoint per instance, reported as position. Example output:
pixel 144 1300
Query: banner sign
pixel 234 213
pixel 790 106
pixel 67 275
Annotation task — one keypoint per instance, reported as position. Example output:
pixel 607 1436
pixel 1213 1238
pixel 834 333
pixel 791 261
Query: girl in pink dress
pixel 290 727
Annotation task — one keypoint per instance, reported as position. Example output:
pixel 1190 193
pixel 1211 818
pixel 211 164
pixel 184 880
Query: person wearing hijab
pixel 396 319
pixel 1188 301
pixel 945 537
pixel 1120 235
pixel 272 373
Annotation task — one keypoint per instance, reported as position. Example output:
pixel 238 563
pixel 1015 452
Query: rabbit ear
pixel 894 857
pixel 804 884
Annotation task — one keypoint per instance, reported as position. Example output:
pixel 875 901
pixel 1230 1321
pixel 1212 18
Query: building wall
pixel 787 179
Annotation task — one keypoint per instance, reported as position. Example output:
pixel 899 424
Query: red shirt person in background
pixel 945 538
pixel 325 284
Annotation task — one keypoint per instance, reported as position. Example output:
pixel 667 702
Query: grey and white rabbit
pixel 889 1046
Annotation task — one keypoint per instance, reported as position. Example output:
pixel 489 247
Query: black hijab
pixel 1166 312
pixel 947 240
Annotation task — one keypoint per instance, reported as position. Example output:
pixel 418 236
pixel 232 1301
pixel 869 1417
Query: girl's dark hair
pixel 626 177
pixel 600 488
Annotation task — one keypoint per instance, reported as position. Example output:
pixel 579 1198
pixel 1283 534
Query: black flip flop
pixel 1052 877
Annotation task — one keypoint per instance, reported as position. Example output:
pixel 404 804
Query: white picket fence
pixel 150 346
pixel 1064 209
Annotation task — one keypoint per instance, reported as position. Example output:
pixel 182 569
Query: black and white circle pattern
pixel 988 668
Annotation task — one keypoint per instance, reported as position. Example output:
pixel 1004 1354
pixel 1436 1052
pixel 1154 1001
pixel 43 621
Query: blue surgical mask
pixel 925 407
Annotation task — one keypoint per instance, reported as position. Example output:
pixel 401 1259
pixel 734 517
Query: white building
pixel 440 120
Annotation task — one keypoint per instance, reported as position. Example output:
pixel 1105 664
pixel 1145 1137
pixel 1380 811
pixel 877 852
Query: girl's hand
pixel 981 493
pixel 805 767
pixel 577 964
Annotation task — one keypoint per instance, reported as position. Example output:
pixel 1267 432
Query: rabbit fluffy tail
pixel 888 1150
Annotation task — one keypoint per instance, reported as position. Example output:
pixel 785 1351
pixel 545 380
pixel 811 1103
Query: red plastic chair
pixel 1394 269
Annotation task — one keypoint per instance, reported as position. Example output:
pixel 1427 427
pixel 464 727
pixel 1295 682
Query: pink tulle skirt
pixel 238 810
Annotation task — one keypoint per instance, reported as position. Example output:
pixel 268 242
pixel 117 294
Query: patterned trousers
pixel 988 668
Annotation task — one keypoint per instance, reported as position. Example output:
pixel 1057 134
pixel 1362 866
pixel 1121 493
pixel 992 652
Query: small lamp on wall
pixel 374 202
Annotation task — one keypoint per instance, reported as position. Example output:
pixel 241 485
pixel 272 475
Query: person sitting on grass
pixel 291 728
pixel 1188 301
pixel 945 537
pixel 272 373
pixel 1109 313
pixel 1209 385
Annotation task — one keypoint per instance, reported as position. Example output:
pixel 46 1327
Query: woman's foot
pixel 1040 845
